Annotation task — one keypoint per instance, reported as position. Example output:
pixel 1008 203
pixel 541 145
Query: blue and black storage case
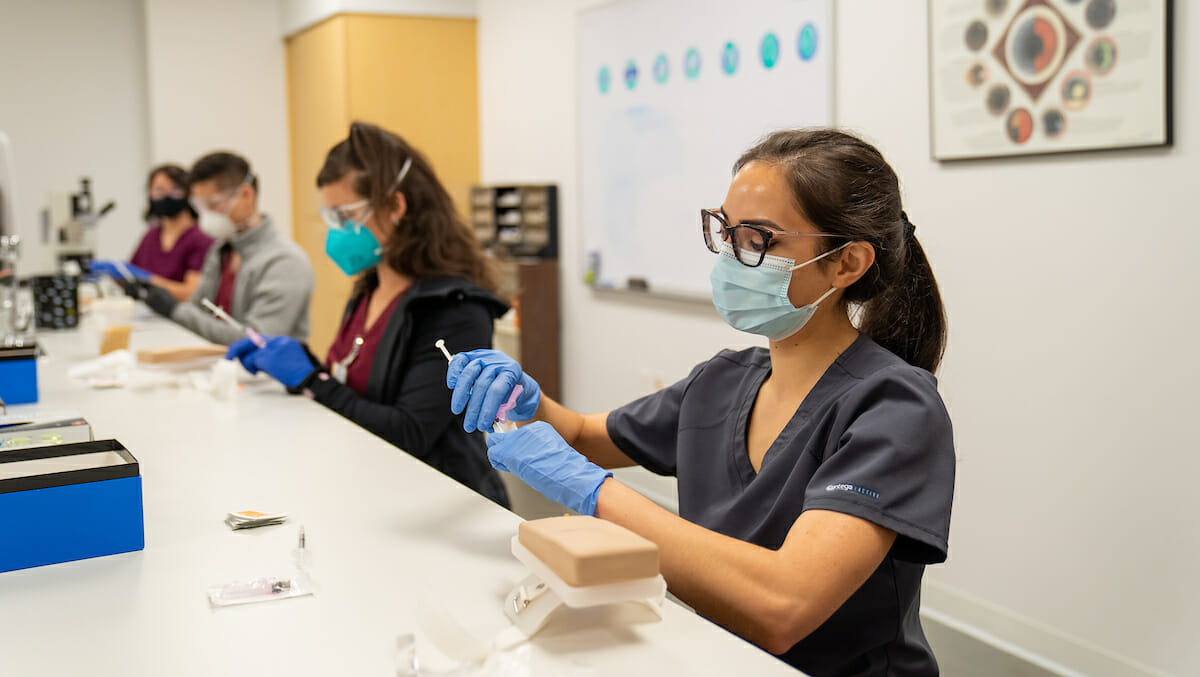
pixel 18 374
pixel 58 505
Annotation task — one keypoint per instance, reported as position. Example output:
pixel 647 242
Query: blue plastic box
pixel 18 375
pixel 68 502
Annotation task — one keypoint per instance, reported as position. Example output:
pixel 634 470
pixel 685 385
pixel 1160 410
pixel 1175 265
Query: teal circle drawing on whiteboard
pixel 631 74
pixel 691 64
pixel 729 58
pixel 604 79
pixel 769 50
pixel 661 69
pixel 807 44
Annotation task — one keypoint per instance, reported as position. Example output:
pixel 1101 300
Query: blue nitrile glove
pixel 283 358
pixel 541 457
pixel 482 381
pixel 113 270
pixel 240 350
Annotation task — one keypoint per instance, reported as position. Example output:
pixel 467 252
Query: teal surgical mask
pixel 348 242
pixel 353 247
pixel 755 300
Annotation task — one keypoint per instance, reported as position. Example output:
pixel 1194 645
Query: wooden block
pixel 586 551
pixel 179 354
pixel 113 338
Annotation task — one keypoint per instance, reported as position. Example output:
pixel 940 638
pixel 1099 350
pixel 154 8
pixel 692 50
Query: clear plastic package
pixel 258 590
pixel 270 589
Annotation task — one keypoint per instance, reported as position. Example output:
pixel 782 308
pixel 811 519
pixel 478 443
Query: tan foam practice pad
pixel 114 338
pixel 586 550
pixel 185 354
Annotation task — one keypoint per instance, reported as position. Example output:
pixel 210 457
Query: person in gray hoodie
pixel 254 272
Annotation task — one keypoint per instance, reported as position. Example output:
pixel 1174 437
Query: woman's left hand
pixel 538 455
pixel 283 358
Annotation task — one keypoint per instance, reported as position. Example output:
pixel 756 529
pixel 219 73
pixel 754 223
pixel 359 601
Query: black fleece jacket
pixel 407 401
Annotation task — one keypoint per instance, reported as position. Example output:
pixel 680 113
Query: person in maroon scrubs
pixel 172 251
pixel 421 277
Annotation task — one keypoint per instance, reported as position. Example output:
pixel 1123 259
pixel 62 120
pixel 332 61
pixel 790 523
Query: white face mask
pixel 218 225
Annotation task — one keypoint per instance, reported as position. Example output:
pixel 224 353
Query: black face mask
pixel 168 207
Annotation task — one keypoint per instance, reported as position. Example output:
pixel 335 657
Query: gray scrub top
pixel 872 439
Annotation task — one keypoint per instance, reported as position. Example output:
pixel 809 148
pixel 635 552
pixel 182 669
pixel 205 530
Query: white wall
pixel 217 81
pixel 73 102
pixel 108 89
pixel 1070 284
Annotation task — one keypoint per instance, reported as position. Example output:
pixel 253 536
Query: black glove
pixel 159 299
pixel 132 288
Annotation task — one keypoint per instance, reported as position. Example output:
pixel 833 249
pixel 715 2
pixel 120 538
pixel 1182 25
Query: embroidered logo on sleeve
pixel 869 493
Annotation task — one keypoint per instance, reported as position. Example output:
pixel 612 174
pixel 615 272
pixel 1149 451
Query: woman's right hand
pixel 483 380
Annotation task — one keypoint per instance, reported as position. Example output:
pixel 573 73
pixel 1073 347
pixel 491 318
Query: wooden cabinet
pixel 416 76
pixel 519 225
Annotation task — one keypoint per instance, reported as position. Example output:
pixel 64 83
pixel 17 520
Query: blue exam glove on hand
pixel 111 269
pixel 538 455
pixel 283 358
pixel 483 380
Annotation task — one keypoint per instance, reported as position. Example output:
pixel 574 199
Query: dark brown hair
pixel 176 175
pixel 845 187
pixel 431 239
pixel 228 170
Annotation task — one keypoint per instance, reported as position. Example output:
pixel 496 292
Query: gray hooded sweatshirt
pixel 270 294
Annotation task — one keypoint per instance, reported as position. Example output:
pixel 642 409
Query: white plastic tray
pixel 654 588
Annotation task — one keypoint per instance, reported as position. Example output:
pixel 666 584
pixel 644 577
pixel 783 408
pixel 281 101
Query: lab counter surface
pixel 384 531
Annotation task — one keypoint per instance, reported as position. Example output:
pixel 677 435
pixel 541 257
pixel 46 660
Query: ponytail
pixel 907 316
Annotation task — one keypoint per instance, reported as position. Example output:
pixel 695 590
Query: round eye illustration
pixel 1019 125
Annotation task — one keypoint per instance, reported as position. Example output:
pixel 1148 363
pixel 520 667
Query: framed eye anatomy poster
pixel 1026 77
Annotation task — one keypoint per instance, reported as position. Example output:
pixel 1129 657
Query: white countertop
pixel 383 530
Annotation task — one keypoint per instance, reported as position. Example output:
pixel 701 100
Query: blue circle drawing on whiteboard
pixel 769 50
pixel 631 74
pixel 604 79
pixel 661 69
pixel 691 64
pixel 729 58
pixel 808 42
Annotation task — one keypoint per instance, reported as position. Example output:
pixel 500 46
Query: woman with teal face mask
pixel 815 474
pixel 421 277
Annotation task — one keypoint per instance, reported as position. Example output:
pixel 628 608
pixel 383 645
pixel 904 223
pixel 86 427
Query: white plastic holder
pixel 538 595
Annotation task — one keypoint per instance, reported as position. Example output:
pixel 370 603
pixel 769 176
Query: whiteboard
pixel 671 92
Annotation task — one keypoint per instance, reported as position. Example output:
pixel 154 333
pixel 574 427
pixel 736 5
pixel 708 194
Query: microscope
pixel 18 346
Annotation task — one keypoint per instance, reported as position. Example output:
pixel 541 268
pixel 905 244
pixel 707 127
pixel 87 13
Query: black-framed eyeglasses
pixel 750 241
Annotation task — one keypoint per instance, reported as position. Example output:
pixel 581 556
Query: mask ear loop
pixel 816 304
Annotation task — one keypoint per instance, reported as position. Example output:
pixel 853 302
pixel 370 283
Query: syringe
pixel 125 272
pixel 502 424
pixel 255 337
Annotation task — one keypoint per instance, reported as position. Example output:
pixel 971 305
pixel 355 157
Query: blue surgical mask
pixel 353 247
pixel 755 300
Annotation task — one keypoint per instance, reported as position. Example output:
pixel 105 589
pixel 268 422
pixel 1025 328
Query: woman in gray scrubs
pixel 815 475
